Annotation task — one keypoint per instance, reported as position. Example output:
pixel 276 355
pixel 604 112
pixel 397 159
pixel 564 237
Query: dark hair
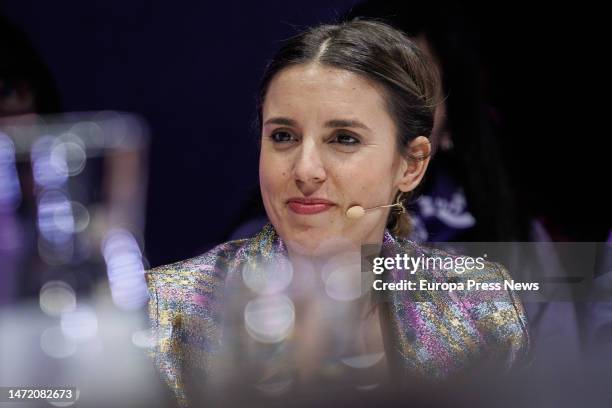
pixel 381 54
pixel 22 65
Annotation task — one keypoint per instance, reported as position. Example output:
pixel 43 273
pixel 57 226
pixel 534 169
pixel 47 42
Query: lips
pixel 308 206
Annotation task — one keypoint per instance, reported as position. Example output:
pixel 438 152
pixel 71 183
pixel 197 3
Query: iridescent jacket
pixel 434 334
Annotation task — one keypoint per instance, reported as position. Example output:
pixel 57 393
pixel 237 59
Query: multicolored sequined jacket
pixel 434 333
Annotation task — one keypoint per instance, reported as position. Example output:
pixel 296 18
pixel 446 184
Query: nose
pixel 309 170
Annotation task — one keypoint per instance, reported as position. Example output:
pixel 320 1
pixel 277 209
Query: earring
pixel 399 203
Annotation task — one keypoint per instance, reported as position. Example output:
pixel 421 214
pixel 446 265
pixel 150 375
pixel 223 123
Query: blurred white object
pixel 69 184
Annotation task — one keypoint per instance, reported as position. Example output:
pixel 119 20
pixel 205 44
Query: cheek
pixel 366 179
pixel 272 175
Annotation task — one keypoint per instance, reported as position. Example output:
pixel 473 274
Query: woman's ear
pixel 414 163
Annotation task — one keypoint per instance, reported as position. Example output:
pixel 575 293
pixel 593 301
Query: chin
pixel 317 241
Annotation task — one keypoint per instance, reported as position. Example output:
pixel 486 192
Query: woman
pixel 345 113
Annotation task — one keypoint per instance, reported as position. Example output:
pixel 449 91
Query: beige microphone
pixel 357 211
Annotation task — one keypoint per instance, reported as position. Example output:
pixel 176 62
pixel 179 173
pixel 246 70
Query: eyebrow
pixel 334 123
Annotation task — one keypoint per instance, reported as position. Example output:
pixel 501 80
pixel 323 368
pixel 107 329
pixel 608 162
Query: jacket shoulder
pixel 488 306
pixel 184 311
pixel 206 270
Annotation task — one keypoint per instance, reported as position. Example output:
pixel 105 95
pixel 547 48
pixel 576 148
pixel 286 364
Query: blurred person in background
pixel 26 85
pixel 65 183
pixel 26 88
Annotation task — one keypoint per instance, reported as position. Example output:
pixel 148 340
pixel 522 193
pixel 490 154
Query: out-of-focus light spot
pixel 48 172
pixel 274 389
pixel 55 219
pixel 72 137
pixel 364 360
pixel 342 277
pixel 89 134
pixel 66 403
pixel 10 196
pixel 10 190
pixel 55 344
pixel 80 216
pixel 63 218
pixel 143 339
pixel 56 226
pixel 69 155
pixel 57 297
pixel 125 269
pixel 268 278
pixel 79 324
pixel 269 319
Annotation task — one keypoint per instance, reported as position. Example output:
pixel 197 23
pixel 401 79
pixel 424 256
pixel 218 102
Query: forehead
pixel 315 90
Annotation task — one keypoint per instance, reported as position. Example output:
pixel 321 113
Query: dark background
pixel 191 70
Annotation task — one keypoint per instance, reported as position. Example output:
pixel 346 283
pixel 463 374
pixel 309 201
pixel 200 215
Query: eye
pixel 281 136
pixel 345 139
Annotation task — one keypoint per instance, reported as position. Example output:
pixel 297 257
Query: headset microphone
pixel 357 211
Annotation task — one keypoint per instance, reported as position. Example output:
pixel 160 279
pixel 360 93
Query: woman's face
pixel 328 143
